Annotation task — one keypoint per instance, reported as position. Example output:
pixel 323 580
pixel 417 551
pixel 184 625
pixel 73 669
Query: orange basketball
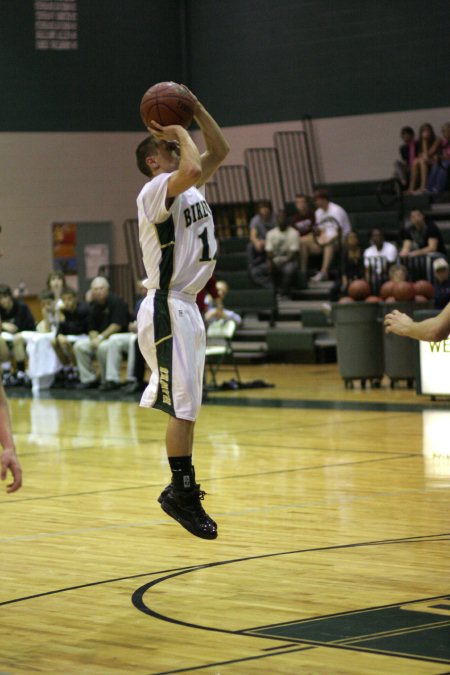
pixel 387 289
pixel 423 287
pixel 167 103
pixel 404 290
pixel 345 300
pixel 358 289
pixel 420 298
pixel 373 298
pixel 390 299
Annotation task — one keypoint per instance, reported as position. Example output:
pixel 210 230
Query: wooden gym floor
pixel 334 532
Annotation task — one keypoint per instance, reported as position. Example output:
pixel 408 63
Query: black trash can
pixel 400 352
pixel 359 336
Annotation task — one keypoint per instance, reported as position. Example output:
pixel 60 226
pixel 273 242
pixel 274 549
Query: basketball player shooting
pixel 176 232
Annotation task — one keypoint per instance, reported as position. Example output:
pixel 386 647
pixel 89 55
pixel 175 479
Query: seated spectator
pixel 56 283
pixel 378 257
pixel 352 265
pixel 332 224
pixel 35 346
pixel 73 323
pixel 282 249
pixel 438 178
pixel 108 315
pixel 260 225
pixel 422 237
pixel 421 164
pixel 218 310
pixel 15 317
pixel 352 259
pixel 136 362
pixel 441 283
pixel 398 272
pixel 50 315
pixel 303 221
pixel 207 296
pixel 408 153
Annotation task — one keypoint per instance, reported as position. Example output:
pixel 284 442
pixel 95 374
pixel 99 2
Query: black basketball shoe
pixel 184 506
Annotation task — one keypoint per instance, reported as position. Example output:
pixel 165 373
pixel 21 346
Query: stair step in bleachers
pixel 233 245
pixel 386 220
pixel 232 262
pixel 364 188
pixel 250 352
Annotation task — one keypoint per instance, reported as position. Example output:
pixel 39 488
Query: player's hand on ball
pixel 169 133
pixel 398 323
pixel 193 96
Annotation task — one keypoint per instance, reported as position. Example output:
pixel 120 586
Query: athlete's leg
pixel 179 437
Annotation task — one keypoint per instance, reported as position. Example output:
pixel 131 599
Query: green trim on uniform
pixel 166 236
pixel 164 350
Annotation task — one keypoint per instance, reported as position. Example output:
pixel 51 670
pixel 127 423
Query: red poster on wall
pixel 64 237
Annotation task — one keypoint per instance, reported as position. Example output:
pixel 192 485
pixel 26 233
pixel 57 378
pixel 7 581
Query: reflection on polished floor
pixel 333 545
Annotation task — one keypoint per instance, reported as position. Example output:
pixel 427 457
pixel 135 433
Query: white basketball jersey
pixel 178 245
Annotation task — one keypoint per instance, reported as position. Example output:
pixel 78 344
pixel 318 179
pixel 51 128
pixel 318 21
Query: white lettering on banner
pixel 56 24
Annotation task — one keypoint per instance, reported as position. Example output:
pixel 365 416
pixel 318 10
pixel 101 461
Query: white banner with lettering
pixel 435 367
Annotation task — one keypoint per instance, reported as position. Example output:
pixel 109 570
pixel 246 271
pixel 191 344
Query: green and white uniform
pixel 179 250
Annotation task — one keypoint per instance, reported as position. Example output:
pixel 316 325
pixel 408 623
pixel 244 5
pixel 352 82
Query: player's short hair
pixel 146 148
pixel 5 290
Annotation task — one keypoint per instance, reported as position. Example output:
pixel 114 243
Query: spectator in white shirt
pixel 282 249
pixel 332 226
pixel 380 255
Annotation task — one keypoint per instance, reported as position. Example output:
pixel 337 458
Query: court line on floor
pixel 308 404
pixel 138 595
pixel 139 604
pixel 204 437
pixel 9 501
pixel 230 514
pixel 227 663
pixel 76 396
pixel 175 571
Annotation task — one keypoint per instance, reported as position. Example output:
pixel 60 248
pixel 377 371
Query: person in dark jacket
pixel 15 317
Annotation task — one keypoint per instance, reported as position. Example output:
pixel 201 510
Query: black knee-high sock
pixel 183 476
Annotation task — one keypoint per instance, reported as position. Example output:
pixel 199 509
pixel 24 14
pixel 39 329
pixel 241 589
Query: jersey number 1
pixel 205 250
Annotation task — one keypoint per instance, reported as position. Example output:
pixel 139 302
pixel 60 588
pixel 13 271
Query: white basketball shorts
pixel 171 337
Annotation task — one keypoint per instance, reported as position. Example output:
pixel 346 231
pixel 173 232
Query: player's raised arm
pixel 431 330
pixel 217 147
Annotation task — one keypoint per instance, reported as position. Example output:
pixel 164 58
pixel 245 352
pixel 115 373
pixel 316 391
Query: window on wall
pixel 56 24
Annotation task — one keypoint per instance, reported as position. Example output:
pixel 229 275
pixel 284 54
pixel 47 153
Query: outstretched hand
pixel 398 323
pixel 10 462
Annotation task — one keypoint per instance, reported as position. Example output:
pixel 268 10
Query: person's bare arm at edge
pixel 217 147
pixel 431 330
pixel 189 170
pixel 8 459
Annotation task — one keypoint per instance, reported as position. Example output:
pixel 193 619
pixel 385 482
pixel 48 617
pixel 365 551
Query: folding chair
pixel 219 347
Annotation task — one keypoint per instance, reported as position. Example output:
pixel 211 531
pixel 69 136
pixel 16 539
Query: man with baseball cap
pixel 441 283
